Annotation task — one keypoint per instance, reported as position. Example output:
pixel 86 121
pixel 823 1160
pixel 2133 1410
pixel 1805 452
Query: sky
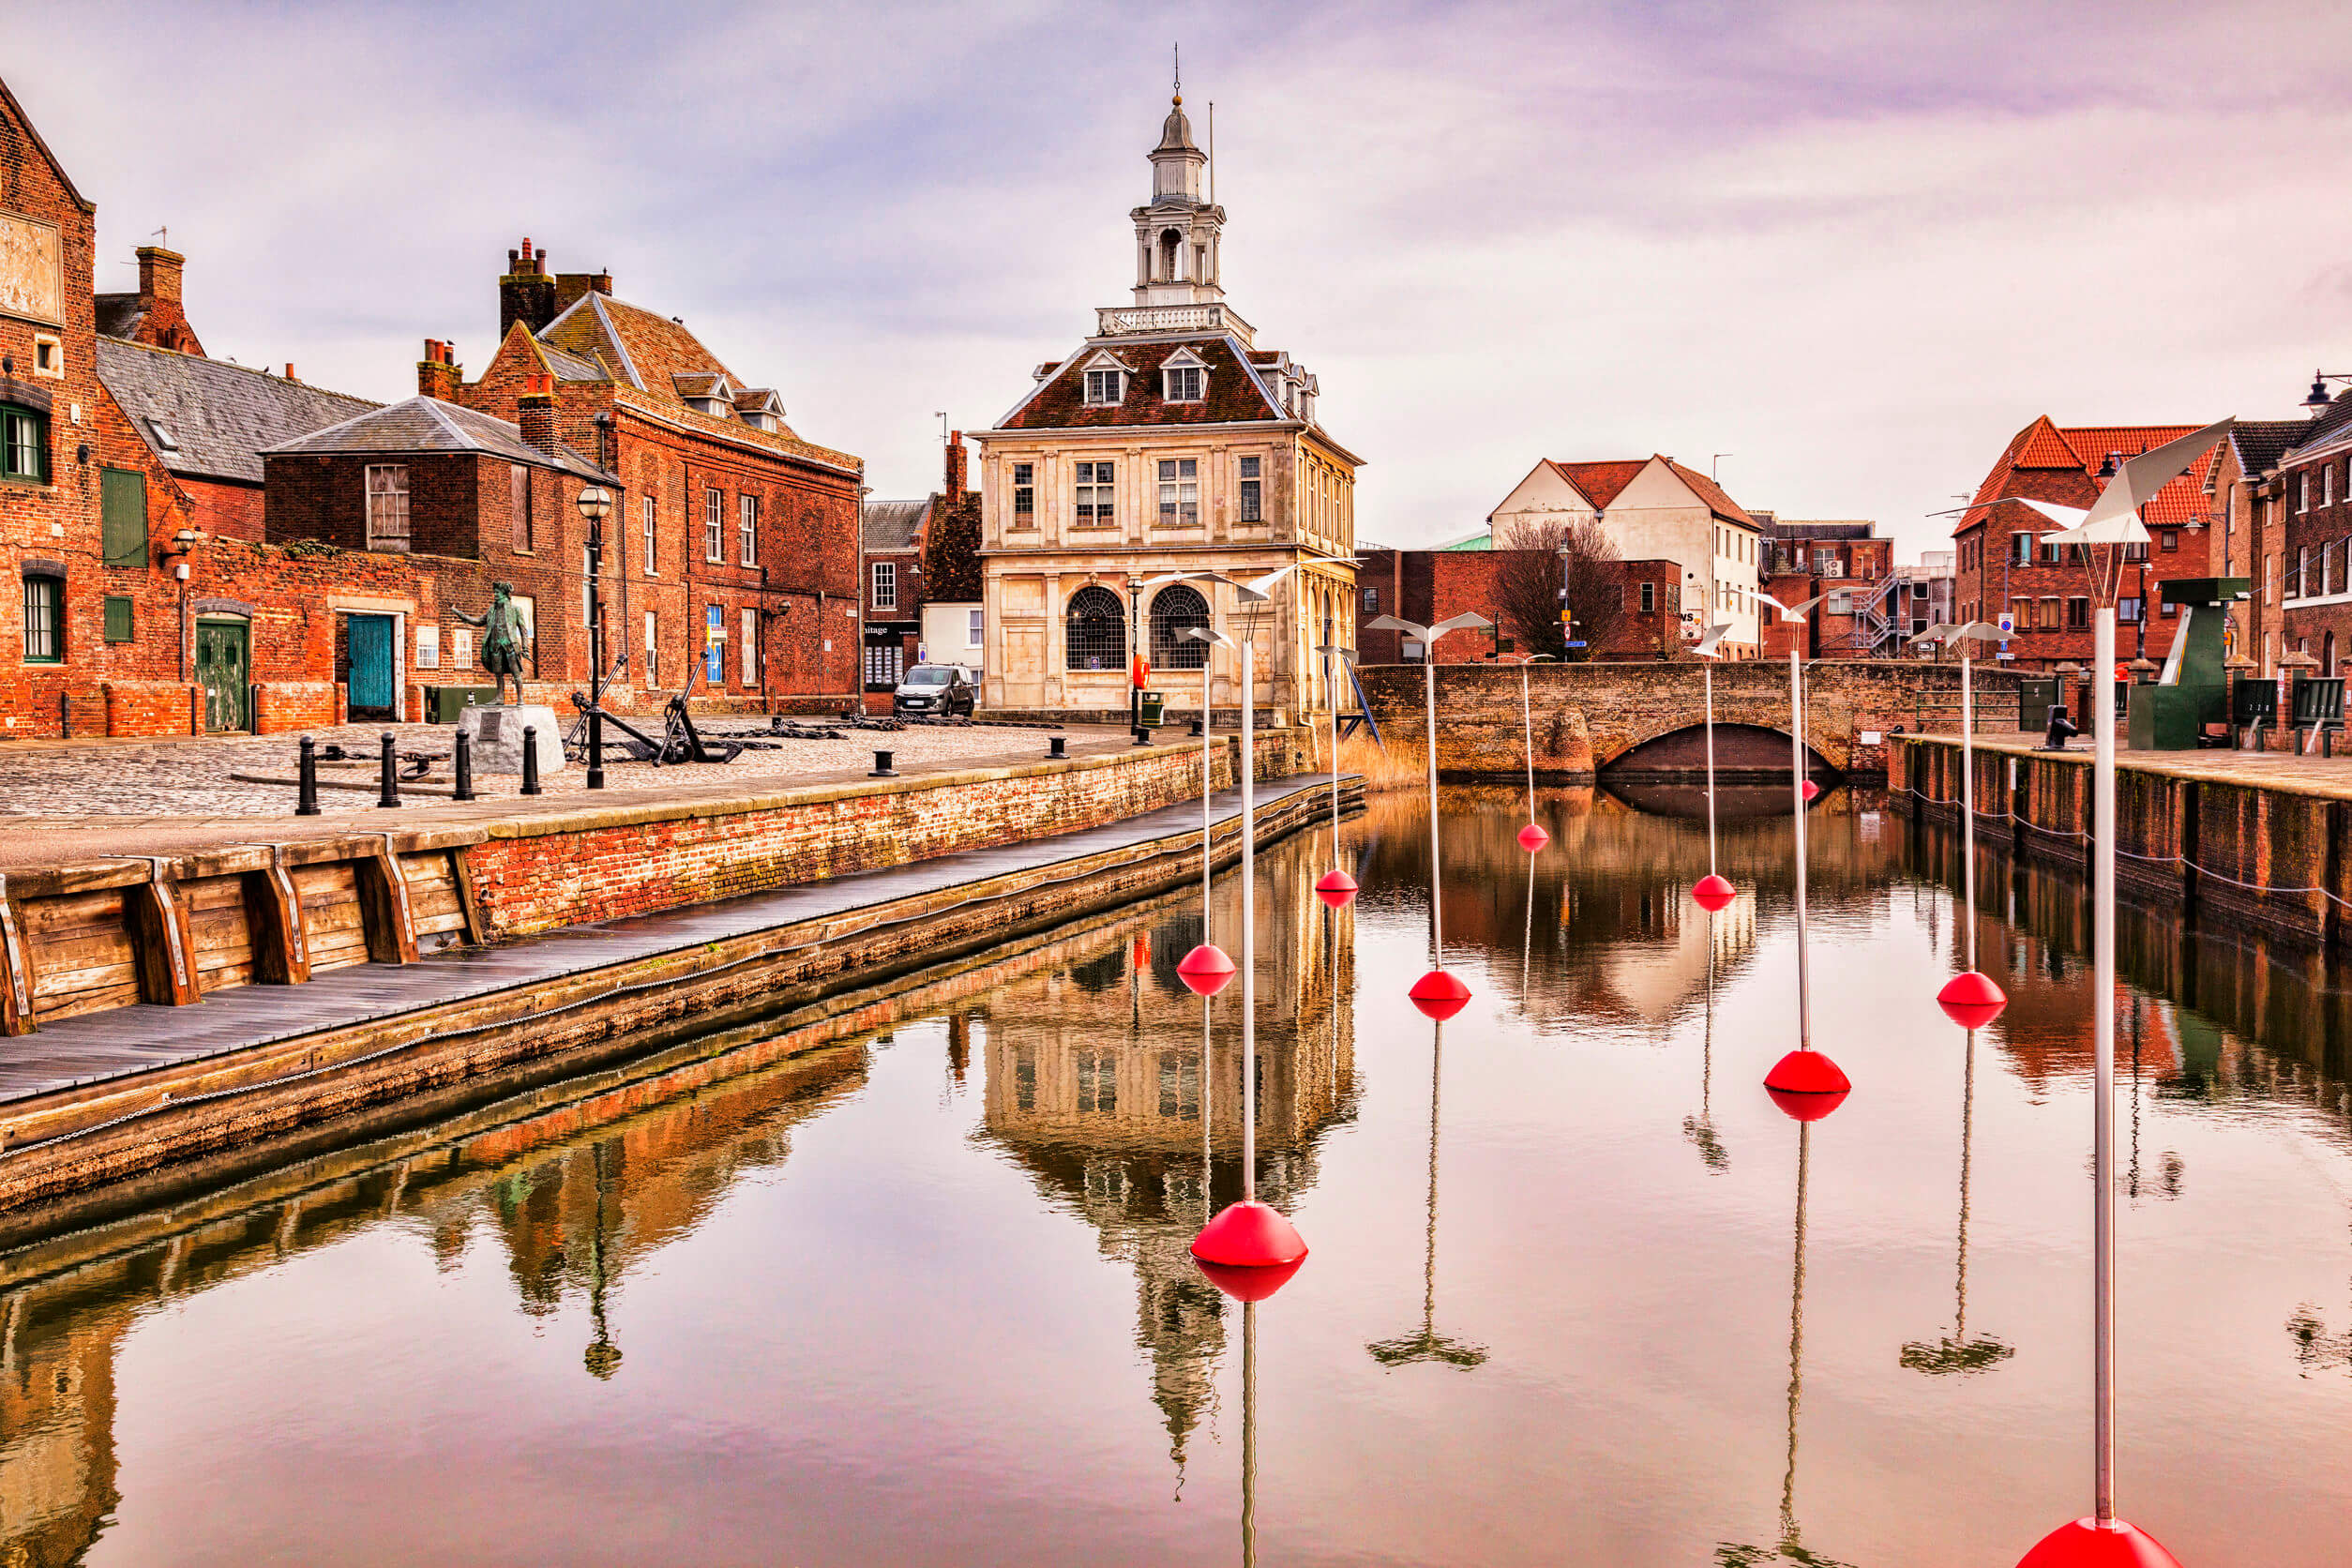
pixel 1852 248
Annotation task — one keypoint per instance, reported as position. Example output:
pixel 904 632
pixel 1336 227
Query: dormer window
pixel 1105 388
pixel 1184 379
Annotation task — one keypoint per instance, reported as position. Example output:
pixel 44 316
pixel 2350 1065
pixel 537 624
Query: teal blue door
pixel 371 681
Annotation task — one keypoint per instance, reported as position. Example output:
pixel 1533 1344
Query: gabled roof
pixel 2261 443
pixel 893 527
pixel 1710 494
pixel 425 425
pixel 2060 464
pixel 2325 435
pixel 220 417
pixel 1234 393
pixel 1599 483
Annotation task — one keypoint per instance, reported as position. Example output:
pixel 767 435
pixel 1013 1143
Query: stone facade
pixel 1168 443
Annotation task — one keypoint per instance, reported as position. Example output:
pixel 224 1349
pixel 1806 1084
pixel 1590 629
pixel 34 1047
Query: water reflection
pixel 1955 1353
pixel 1429 1344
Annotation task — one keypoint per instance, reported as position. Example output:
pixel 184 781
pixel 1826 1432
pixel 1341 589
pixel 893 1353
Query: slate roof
pixel 2326 435
pixel 1234 393
pixel 648 354
pixel 428 425
pixel 2261 443
pixel 221 416
pixel 893 527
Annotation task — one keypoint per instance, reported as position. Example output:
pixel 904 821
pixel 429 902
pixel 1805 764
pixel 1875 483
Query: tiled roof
pixel 2070 458
pixel 891 526
pixel 2325 434
pixel 430 425
pixel 2261 443
pixel 118 314
pixel 219 416
pixel 571 367
pixel 1600 482
pixel 648 352
pixel 1710 493
pixel 1234 394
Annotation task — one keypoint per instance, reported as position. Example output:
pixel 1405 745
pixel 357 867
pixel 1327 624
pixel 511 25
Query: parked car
pixel 935 689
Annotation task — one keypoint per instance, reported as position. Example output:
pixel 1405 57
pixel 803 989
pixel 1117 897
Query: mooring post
pixel 307 793
pixel 464 768
pixel 530 758
pixel 882 766
pixel 390 776
pixel 595 748
pixel 1059 748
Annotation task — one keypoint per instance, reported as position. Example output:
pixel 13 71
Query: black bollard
pixel 595 748
pixel 882 766
pixel 1196 728
pixel 1060 748
pixel 530 758
pixel 306 798
pixel 465 767
pixel 391 791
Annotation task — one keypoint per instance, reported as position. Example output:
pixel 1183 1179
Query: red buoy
pixel 1971 999
pixel 1250 1285
pixel 1807 1085
pixel 1533 838
pixel 1714 892
pixel 1812 791
pixel 1206 970
pixel 1440 995
pixel 1249 1235
pixel 2088 1544
pixel 1336 888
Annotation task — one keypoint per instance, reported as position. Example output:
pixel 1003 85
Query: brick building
pixel 2003 565
pixel 1427 586
pixel 734 545
pixel 2246 496
pixel 2305 594
pixel 1846 562
pixel 894 541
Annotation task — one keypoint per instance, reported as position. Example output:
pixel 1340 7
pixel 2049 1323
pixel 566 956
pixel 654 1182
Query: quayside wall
pixel 2249 846
pixel 64 1153
pixel 92 935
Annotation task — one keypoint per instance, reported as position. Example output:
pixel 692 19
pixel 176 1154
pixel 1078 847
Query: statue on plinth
pixel 505 639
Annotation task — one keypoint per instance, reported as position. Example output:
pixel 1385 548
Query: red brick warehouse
pixel 734 541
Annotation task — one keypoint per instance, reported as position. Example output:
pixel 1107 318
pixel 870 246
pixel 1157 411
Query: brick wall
pixel 566 872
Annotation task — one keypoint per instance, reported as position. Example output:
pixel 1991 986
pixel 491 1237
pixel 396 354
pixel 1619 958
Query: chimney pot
pixel 290 375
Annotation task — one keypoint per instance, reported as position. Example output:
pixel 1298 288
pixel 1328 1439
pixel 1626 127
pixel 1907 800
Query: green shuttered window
pixel 118 618
pixel 123 500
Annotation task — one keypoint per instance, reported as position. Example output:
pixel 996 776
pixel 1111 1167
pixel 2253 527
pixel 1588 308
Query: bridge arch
pixel 1677 750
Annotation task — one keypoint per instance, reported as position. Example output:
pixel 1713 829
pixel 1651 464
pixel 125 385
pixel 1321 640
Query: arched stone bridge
pixel 1648 717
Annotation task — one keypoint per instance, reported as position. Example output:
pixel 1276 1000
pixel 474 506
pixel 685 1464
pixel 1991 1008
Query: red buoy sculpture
pixel 2089 1544
pixel 1532 838
pixel 1971 1000
pixel 1440 995
pixel 1205 970
pixel 1250 1285
pixel 1812 791
pixel 1713 893
pixel 1249 1235
pixel 1807 1085
pixel 1335 888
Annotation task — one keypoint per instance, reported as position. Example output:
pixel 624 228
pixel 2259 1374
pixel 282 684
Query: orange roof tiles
pixel 1600 482
pixel 2082 450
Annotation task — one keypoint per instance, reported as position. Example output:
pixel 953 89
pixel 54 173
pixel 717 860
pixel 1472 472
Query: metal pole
pixel 1249 1435
pixel 1967 793
pixel 1437 925
pixel 595 748
pixel 1249 935
pixel 2103 1038
pixel 1527 725
pixel 1208 657
pixel 1707 681
pixel 1335 762
pixel 1797 761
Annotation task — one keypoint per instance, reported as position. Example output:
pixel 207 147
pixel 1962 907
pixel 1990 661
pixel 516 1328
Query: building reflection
pixel 1098 1085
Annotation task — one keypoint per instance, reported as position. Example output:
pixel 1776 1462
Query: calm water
pixel 908 1284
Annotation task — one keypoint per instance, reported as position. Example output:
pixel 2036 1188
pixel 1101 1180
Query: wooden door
pixel 372 670
pixel 224 668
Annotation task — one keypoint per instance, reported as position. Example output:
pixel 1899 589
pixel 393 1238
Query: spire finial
pixel 1178 50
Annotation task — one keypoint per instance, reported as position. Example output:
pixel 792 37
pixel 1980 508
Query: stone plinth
pixel 496 736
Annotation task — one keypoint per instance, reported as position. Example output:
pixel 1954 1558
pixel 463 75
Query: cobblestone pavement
pixel 96 779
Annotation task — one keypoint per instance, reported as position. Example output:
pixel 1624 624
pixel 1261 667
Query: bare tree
pixel 1541 568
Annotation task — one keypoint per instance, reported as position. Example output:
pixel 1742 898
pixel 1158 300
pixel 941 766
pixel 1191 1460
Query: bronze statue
pixel 505 639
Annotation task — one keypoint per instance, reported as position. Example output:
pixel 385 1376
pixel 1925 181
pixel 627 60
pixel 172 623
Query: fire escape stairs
pixel 1875 631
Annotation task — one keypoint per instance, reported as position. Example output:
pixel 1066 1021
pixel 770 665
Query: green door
pixel 224 668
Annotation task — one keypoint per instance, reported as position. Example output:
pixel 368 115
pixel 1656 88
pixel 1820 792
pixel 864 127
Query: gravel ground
pixel 194 777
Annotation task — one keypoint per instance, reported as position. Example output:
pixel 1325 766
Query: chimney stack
pixel 535 412
pixel 527 292
pixel 437 373
pixel 956 470
pixel 159 275
pixel 571 286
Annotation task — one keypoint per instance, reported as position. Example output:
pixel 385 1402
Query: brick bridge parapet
pixel 1588 716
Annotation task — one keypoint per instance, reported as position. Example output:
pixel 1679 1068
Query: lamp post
pixel 1437 994
pixel 1805 1083
pixel 1334 887
pixel 2112 522
pixel 595 505
pixel 1206 968
pixel 1531 837
pixel 1713 890
pixel 1969 999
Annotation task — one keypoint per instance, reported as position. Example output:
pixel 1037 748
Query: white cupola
pixel 1176 235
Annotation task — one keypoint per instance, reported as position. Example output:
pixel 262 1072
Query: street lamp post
pixel 595 505
pixel 1713 890
pixel 1805 1083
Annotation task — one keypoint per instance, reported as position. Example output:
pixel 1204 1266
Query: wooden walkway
pixel 123 1041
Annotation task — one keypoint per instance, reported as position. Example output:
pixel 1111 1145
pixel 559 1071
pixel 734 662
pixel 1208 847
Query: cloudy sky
pixel 1853 248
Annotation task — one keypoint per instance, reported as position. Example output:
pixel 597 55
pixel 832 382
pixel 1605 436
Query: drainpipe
pixel 766 704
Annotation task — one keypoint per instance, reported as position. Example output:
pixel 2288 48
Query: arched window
pixel 1169 243
pixel 1094 630
pixel 1176 608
